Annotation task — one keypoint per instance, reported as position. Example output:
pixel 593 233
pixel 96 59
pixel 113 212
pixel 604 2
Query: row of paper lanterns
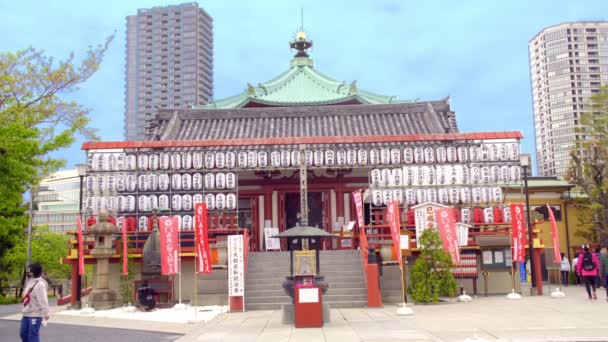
pixel 284 158
pixel 445 196
pixel 471 216
pixel 184 222
pixel 160 182
pixel 444 175
pixel 145 203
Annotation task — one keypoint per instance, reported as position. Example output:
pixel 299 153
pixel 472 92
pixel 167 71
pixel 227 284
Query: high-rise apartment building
pixel 169 62
pixel 568 64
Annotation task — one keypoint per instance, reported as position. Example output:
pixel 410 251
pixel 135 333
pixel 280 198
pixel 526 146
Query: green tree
pixel 432 273
pixel 589 167
pixel 36 120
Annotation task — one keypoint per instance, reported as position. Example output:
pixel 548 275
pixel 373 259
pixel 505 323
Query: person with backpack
pixel 588 267
pixel 35 305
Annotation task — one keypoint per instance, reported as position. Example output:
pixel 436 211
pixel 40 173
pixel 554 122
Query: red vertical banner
pixel 125 251
pixel 557 257
pixel 446 224
pixel 201 236
pixel 393 217
pixel 168 245
pixel 80 246
pixel 518 228
pixel 359 208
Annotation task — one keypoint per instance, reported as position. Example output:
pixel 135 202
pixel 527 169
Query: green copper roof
pixel 301 85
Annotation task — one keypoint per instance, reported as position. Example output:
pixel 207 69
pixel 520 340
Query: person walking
pixel 574 269
pixel 604 272
pixel 598 279
pixel 565 269
pixel 588 268
pixel 35 305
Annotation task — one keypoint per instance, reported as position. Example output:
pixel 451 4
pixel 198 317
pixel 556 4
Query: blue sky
pixel 473 51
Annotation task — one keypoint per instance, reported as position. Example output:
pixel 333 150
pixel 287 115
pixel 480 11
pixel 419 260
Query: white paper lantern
pixel 209 160
pixel 432 175
pixel 187 222
pixel 476 195
pixel 475 175
pixel 91 184
pixel 408 175
pixel 374 156
pixel 486 176
pixel 418 155
pixel 144 203
pixel 186 182
pixel 488 215
pixel 131 183
pixel 121 204
pixel 465 172
pixel 164 161
pixel 494 152
pixel 463 154
pixel 252 159
pixel 130 203
pixel 395 156
pixel 131 162
pixel 101 183
pixel 497 195
pixel 419 175
pixel 386 180
pixel 111 204
pixel 309 158
pixel 186 202
pixel 385 156
pixel 351 157
pixel 495 173
pixel 220 201
pixel 408 155
pixel 153 182
pixel 410 196
pixel 153 199
pixel 93 161
pixel 421 196
pixel 231 202
pixel 513 151
pixel 505 173
pixel 111 183
pixel 431 195
pixel 341 157
pixel 387 197
pixel 220 182
pixel 142 162
pixel 263 159
pixel 397 177
pixel 275 159
pixel 465 195
pixel 318 157
pixel 376 177
pixel 442 154
pixel 474 154
pixel 209 181
pixel 484 152
pixel 454 173
pixel 442 174
pixel 153 161
pixel 362 156
pixel 486 195
pixel 197 198
pixel 176 202
pixel 330 157
pixel 105 163
pixel 442 196
pixel 506 214
pixel 295 158
pixel 176 161
pixel 398 196
pixel 163 202
pixel 466 216
pixel 186 160
pixel 286 158
pixel 515 173
pixel 142 224
pixel 429 155
pixel 163 182
pixel 451 154
pixel 220 160
pixel 142 183
pixel 230 160
pixel 242 159
pixel 111 161
pixel 120 162
pixel 197 160
pixel 91 203
pixel 176 181
pixel 454 195
pixel 377 198
pixel 230 180
pixel 503 152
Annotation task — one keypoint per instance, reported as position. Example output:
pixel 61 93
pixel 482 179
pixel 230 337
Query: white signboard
pixel 236 272
pixel 308 295
pixel 425 218
pixel 271 243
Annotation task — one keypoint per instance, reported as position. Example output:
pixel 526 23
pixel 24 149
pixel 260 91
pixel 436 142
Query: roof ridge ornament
pixel 250 90
pixel 301 44
pixel 353 88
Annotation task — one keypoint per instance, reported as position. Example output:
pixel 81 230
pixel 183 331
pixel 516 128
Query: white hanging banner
pixel 236 272
pixel 270 242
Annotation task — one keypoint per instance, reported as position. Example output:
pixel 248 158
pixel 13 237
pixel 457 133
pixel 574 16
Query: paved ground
pixel 490 318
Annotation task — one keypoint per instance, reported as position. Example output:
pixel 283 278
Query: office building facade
pixel 57 201
pixel 568 64
pixel 169 62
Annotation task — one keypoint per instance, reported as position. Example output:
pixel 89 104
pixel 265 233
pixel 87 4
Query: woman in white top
pixel 574 264
pixel 565 270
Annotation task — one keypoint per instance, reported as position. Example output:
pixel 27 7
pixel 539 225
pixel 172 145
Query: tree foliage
pixel 589 167
pixel 432 273
pixel 36 120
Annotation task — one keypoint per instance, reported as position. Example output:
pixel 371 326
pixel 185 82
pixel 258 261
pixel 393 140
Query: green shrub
pixel 9 300
pixel 432 273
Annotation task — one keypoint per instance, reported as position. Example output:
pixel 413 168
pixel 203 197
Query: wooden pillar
pixel 74 281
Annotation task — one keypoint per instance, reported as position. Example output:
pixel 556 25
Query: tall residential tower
pixel 169 62
pixel 568 64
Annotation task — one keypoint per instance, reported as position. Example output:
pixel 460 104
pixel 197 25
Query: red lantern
pixel 130 224
pixel 456 214
pixel 478 216
pixel 498 215
pixel 411 218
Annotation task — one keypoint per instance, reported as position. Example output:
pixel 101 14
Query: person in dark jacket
pixel 146 296
pixel 588 272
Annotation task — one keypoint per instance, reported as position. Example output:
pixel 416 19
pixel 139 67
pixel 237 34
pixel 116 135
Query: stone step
pixel 332 280
pixel 327 274
pixel 279 286
pixel 335 305
pixel 269 299
pixel 330 292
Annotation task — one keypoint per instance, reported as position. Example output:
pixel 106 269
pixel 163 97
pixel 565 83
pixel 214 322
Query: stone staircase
pixel 342 270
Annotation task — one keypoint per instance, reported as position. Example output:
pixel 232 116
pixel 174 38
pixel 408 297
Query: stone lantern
pixel 102 297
